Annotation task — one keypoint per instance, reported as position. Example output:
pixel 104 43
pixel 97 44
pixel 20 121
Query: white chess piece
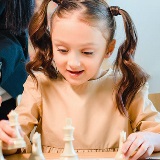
pixel 1 154
pixel 68 152
pixel 120 155
pixel 18 141
pixel 37 153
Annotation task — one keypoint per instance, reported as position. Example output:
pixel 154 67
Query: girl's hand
pixel 139 145
pixel 6 132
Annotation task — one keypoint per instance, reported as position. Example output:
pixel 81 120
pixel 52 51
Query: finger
pixel 134 146
pixel 5 138
pixel 147 153
pixel 5 127
pixel 131 138
pixel 141 151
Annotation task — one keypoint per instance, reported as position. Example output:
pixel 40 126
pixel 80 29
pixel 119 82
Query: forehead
pixel 73 30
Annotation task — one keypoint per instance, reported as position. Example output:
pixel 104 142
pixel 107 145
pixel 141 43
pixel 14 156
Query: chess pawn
pixel 1 154
pixel 18 141
pixel 36 148
pixel 68 152
pixel 120 155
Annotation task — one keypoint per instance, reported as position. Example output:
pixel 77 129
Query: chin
pixel 75 82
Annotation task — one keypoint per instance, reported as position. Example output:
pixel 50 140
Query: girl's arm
pixel 29 109
pixel 145 121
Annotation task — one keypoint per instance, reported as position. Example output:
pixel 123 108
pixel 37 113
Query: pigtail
pixel 41 41
pixel 133 78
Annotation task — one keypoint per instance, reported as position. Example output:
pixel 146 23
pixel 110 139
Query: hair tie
pixel 115 10
pixel 59 2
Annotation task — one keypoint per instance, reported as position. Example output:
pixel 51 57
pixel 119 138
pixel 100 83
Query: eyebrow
pixel 85 44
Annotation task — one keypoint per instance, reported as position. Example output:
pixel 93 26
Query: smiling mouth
pixel 76 72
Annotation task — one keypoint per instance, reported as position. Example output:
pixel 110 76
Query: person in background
pixel 0 100
pixel 67 80
pixel 14 20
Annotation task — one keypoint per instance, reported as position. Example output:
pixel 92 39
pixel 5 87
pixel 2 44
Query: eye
pixel 88 53
pixel 62 50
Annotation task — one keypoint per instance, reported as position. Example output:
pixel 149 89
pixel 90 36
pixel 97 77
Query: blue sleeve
pixel 13 65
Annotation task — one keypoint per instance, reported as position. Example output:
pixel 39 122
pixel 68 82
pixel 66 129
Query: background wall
pixel 146 16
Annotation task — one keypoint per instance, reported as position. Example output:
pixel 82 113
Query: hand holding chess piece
pixel 120 155
pixel 69 152
pixel 36 148
pixel 18 141
pixel 1 154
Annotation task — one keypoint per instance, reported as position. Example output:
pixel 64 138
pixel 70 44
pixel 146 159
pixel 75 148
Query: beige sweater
pixel 92 108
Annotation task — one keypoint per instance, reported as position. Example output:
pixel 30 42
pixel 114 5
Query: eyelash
pixel 88 53
pixel 62 50
pixel 65 51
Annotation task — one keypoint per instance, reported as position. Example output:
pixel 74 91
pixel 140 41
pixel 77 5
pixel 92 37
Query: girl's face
pixel 78 49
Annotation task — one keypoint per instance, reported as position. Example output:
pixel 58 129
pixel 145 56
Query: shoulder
pixel 109 78
pixel 144 90
pixel 140 100
pixel 41 78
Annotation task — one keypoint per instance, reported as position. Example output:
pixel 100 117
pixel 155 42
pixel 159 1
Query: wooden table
pixel 87 155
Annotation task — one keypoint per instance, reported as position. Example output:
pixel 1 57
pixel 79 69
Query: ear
pixel 110 48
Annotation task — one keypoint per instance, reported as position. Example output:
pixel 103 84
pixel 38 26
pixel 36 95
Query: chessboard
pixel 82 156
pixel 9 158
pixel 52 156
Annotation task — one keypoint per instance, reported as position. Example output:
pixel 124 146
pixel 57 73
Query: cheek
pixel 59 60
pixel 97 61
pixel 92 65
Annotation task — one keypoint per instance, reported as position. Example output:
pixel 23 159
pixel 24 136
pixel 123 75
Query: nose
pixel 74 60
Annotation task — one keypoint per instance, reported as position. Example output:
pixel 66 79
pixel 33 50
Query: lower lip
pixel 75 74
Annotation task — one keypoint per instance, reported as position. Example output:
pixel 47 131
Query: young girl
pixel 67 80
